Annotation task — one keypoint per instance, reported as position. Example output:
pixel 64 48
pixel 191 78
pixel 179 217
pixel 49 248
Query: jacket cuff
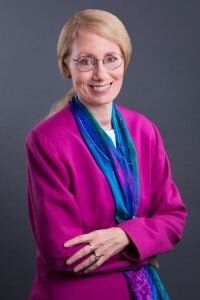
pixel 130 252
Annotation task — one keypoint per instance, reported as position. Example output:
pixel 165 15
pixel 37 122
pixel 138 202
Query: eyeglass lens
pixel 86 63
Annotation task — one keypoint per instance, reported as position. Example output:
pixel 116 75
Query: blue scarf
pixel 120 167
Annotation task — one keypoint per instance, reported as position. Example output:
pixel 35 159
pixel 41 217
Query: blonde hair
pixel 98 21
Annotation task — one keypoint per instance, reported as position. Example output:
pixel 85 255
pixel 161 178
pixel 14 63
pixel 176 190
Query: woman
pixel 101 199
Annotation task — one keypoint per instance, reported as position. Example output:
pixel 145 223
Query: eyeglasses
pixel 87 63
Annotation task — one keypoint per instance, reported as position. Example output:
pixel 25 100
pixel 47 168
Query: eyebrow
pixel 89 53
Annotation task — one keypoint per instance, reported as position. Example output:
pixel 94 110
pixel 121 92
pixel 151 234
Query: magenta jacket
pixel 68 195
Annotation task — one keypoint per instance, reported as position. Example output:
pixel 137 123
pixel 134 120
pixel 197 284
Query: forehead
pixel 88 42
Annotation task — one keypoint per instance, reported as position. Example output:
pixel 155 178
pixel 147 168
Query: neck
pixel 102 113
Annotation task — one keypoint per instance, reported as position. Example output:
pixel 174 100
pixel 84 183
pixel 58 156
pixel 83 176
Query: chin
pixel 101 100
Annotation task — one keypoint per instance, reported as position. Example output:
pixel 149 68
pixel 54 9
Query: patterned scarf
pixel 120 167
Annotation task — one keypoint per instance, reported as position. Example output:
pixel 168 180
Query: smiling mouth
pixel 101 87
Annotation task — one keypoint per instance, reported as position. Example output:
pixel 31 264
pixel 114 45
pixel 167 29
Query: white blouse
pixel 111 134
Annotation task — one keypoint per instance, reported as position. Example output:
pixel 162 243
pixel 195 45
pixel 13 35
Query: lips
pixel 101 88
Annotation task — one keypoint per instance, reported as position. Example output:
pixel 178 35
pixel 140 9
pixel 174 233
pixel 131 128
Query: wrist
pixel 125 237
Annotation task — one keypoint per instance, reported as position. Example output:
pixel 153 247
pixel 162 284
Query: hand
pixel 105 242
pixel 153 261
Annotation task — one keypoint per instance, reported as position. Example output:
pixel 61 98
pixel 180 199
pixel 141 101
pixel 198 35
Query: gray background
pixel 161 82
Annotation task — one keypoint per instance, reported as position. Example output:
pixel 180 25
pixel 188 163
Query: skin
pixel 99 105
pixel 111 241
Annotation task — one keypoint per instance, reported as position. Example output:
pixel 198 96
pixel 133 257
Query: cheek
pixel 118 75
pixel 80 80
pixel 80 83
pixel 119 78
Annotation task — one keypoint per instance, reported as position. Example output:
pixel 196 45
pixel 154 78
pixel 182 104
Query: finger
pixel 95 265
pixel 90 260
pixel 153 261
pixel 157 264
pixel 79 254
pixel 78 240
pixel 105 253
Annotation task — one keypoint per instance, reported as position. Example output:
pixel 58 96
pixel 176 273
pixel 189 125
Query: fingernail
pixel 68 262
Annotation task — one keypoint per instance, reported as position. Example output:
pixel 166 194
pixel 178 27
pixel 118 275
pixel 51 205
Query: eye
pixel 111 59
pixel 86 61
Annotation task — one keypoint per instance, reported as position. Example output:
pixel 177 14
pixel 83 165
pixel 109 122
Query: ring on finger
pixel 91 247
pixel 96 256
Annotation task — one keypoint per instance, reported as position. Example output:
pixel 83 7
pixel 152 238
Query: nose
pixel 99 70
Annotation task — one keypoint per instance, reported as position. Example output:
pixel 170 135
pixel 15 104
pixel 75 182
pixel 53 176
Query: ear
pixel 66 69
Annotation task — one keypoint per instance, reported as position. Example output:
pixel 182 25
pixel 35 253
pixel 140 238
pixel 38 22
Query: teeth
pixel 101 88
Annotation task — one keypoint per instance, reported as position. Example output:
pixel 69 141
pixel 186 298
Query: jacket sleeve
pixel 158 232
pixel 53 212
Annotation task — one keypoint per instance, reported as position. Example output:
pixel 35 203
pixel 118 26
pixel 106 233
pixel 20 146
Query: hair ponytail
pixel 60 104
